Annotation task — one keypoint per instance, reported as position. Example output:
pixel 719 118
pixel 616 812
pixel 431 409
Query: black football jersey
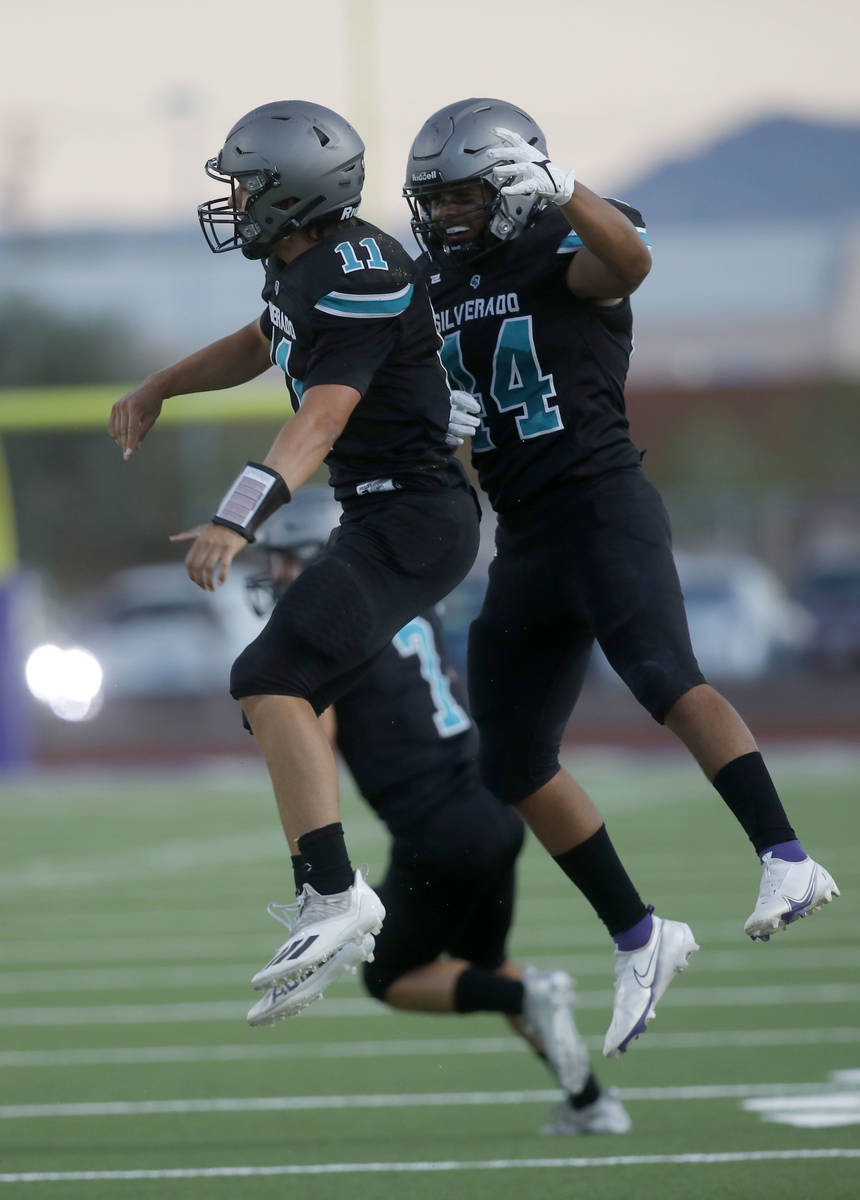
pixel 405 722
pixel 548 368
pixel 352 311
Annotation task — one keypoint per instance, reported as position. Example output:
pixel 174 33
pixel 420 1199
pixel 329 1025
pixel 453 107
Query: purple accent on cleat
pixel 787 851
pixel 797 908
pixel 637 936
pixel 640 1027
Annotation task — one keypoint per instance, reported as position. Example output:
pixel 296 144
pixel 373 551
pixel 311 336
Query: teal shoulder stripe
pixel 340 304
pixel 572 241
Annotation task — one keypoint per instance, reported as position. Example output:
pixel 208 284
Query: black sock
pixel 482 991
pixel 327 866
pixel 299 872
pixel 596 870
pixel 747 788
pixel 589 1093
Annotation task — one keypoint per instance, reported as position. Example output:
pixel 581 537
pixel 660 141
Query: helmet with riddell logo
pixel 449 152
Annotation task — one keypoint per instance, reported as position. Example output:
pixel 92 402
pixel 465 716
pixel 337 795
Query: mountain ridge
pixel 778 167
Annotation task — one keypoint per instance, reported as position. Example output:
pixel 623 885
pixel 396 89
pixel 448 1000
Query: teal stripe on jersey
pixel 573 241
pixel 390 304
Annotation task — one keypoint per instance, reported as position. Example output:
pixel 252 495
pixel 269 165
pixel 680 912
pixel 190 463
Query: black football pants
pixel 593 560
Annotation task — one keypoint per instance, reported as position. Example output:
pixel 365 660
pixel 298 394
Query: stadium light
pixel 68 681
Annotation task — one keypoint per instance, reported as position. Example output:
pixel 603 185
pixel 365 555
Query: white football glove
pixel 530 173
pixel 464 417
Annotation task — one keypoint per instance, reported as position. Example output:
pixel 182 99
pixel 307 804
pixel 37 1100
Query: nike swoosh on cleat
pixel 646 978
pixel 796 905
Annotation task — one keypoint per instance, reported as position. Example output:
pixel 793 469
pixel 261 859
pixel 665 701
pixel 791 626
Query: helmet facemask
pixel 284 564
pixel 433 234
pixel 291 538
pixel 224 210
pixel 246 225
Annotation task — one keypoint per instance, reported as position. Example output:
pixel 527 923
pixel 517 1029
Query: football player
pixel 530 274
pixel 404 732
pixel 351 327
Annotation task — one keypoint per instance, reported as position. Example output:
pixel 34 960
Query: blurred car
pixel 743 622
pixel 830 590
pixel 154 633
pixel 460 607
pixel 457 612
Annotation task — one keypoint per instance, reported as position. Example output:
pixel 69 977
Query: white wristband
pixel 256 492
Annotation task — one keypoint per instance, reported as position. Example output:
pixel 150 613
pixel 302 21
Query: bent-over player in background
pixel 404 732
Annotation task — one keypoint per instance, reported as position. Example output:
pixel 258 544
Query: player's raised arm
pixel 231 360
pixel 614 258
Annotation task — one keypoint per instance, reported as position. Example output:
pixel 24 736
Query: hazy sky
pixel 108 108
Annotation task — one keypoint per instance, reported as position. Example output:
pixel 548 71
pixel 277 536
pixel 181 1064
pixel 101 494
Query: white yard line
pixel 69 978
pixel 247 1104
pixel 160 1014
pixel 87 943
pixel 492 1164
pixel 682 996
pixel 139 946
pixel 161 859
pixel 123 979
pixel 99 1056
pixel 622 780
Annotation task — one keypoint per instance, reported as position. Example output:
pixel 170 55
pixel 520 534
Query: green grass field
pixel 134 916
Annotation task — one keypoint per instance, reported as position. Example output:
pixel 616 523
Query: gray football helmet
pixel 296 161
pixel 450 150
pixel 301 529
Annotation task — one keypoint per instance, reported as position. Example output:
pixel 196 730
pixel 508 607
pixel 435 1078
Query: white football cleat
pixel 605 1115
pixel 323 924
pixel 788 890
pixel 641 978
pixel 548 1017
pixel 289 998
